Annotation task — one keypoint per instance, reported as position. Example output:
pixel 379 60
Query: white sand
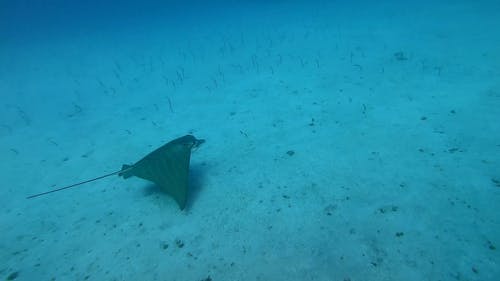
pixel 392 176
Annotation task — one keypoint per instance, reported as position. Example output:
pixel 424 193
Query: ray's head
pixel 190 140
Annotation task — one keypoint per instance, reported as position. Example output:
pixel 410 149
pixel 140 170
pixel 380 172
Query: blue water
pixel 344 140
